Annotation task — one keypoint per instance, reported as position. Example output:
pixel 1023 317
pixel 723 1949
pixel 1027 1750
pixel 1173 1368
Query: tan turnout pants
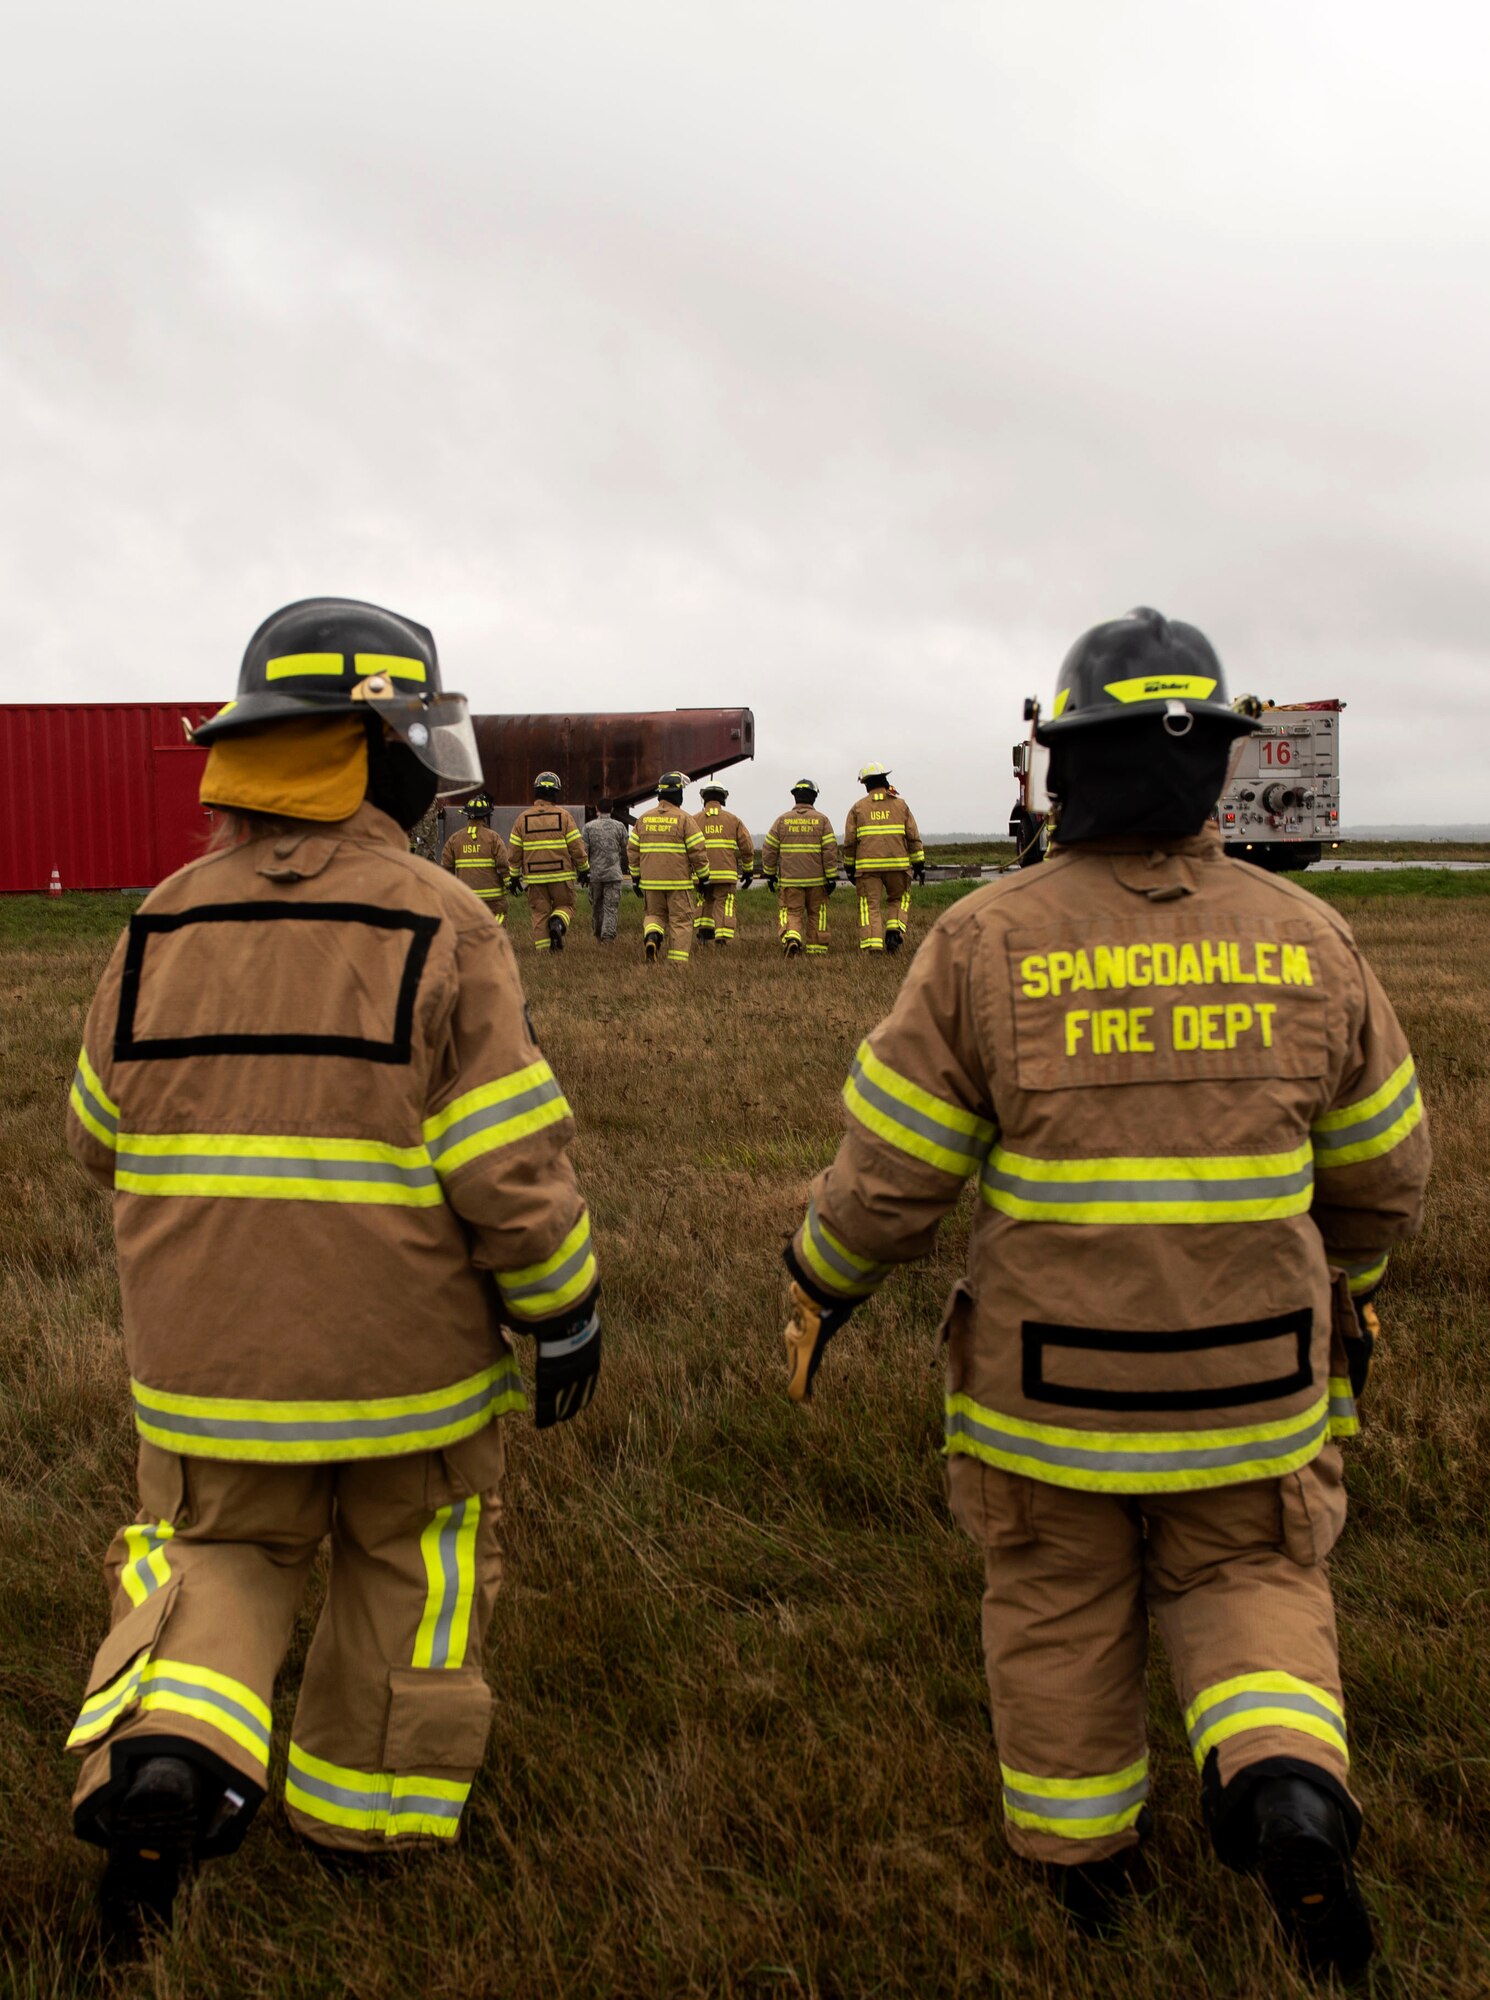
pixel 716 906
pixel 1236 1581
pixel 545 900
pixel 391 1724
pixel 668 918
pixel 802 915
pixel 884 905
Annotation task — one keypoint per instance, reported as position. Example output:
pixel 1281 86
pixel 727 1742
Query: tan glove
pixel 807 1332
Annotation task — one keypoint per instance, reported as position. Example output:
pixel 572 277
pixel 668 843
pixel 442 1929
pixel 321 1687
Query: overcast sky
pixel 846 360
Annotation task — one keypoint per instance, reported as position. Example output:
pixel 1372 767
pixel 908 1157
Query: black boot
pixel 1096 1895
pixel 894 940
pixel 1301 1850
pixel 152 1844
pixel 652 944
pixel 704 934
pixel 556 930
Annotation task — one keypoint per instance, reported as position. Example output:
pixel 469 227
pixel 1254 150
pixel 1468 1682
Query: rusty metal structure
pixel 609 756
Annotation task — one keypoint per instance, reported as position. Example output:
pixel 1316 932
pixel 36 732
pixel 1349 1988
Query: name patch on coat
pixel 1165 998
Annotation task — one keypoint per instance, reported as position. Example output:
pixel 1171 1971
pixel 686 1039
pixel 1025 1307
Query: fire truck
pixel 1281 805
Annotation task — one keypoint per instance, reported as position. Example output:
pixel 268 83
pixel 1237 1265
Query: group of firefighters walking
pixel 1196 1133
pixel 688 868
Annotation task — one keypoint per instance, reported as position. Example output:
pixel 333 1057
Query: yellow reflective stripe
pixel 837 1268
pixel 1135 1461
pixel 1344 1422
pixel 1076 1808
pixel 537 1291
pixel 448 1548
pixel 85 1116
pixel 94 1086
pixel 1219 1188
pixel 495 1114
pixel 284 1431
pixel 1363 1277
pixel 912 1119
pixel 180 1688
pixel 261 1166
pixel 1367 1107
pixel 1060 702
pixel 1378 1143
pixel 1269 1700
pixel 102 1710
pixel 374 1801
pixel 395 665
pixel 289 666
pixel 146 1567
pixel 1155 687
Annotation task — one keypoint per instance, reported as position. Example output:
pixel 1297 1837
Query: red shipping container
pixel 105 792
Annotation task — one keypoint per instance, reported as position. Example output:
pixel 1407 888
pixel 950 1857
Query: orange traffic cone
pixel 54 887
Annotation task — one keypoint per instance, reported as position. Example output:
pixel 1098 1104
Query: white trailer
pixel 1281 805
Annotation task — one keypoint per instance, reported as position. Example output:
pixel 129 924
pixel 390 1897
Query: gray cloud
pixel 847 361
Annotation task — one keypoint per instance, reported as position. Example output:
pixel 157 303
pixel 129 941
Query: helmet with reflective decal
pixel 671 786
pixel 546 785
pixel 713 791
pixel 477 806
pixel 1140 665
pixel 338 656
pixel 804 788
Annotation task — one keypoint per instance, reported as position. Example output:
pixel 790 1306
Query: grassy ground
pixel 743 1747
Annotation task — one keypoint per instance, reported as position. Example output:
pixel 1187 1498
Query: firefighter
pixel 881 852
pixel 731 854
pixel 799 859
pixel 548 855
pixel 478 857
pixel 1197 1133
pixel 339 1175
pixel 668 863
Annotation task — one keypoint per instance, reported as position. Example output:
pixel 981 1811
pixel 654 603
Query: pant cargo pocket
pixel 438 1720
pixel 116 1681
pixel 1313 1505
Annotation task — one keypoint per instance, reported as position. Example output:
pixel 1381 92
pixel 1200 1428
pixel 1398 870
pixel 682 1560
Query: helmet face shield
pixel 436 727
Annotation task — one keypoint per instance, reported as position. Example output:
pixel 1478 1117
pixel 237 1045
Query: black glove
pixel 1358 1351
pixel 830 885
pixel 584 881
pixel 918 871
pixel 848 869
pixel 568 1364
pixel 770 881
pixel 636 887
pixel 517 885
pixel 745 880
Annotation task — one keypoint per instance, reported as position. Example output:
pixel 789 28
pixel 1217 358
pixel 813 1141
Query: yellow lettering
pixel 1213 958
pixel 1265 954
pixel 1110 965
pixel 1185 1023
pixel 1138 1030
pixel 1060 963
pixel 1076 1020
pixel 1111 1031
pixel 1238 977
pixel 1297 970
pixel 1036 979
pixel 1164 964
pixel 1211 1036
pixel 1190 973
pixel 1081 973
pixel 1265 1012
pixel 1238 1020
pixel 1140 957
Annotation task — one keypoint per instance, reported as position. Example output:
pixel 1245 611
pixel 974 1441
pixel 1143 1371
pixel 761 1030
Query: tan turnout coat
pixel 881 835
pixel 800 848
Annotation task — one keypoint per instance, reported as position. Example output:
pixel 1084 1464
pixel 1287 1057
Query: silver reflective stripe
pixel 554 1280
pixel 489 1116
pixel 947 1136
pixel 1340 1136
pixel 261 1166
pixel 449 1559
pixel 1099 1805
pixel 108 1119
pixel 960 1424
pixel 1240 1704
pixel 291 1429
pixel 1250 1187
pixel 378 1800
pixel 160 1683
pixel 855 1278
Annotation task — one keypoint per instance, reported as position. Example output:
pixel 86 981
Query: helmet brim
pixel 1118 713
pixel 437 728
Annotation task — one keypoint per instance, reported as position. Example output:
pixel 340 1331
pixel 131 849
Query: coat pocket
pixel 438 1722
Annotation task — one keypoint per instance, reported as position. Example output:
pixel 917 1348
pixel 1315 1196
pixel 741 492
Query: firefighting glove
pixel 918 872
pixel 584 881
pixel 830 885
pixel 808 1330
pixel 568 1364
pixel 1358 1351
pixel 770 882
pixel 848 869
pixel 745 879
pixel 518 886
pixel 636 887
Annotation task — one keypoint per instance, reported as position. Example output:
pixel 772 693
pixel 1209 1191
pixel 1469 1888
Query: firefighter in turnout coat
pixel 477 857
pixel 668 863
pixel 1196 1132
pixel 548 856
pixel 881 852
pixel 731 854
pixel 338 1167
pixel 799 859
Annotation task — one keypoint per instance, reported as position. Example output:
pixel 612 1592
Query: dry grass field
pixel 742 1747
